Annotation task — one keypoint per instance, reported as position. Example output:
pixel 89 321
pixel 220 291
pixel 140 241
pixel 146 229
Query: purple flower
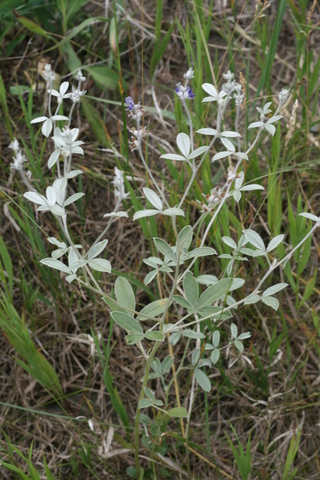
pixel 184 92
pixel 129 101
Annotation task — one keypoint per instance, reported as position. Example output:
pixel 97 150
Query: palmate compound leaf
pixel 127 322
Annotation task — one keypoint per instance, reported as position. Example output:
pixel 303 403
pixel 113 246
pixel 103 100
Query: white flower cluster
pixel 19 158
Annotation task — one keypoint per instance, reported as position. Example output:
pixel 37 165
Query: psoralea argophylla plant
pixel 203 302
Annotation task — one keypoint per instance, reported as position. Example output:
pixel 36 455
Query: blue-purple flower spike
pixel 129 101
pixel 190 93
pixel 184 92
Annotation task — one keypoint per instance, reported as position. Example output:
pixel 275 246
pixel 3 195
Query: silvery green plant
pixel 194 306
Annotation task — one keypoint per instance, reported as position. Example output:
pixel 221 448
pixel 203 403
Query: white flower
pixel 48 73
pixel 189 74
pixel 137 137
pixel 118 182
pixel 283 95
pixel 80 77
pixel 76 94
pixel 184 92
pixel 47 125
pixel 18 160
pixel 14 145
pixel 61 95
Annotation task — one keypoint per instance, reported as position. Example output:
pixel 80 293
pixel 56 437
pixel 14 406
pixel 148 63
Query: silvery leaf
pixel 310 216
pixel 100 264
pixel 207 131
pixel 173 156
pixel 197 152
pixel 184 144
pixel 202 379
pixel 271 302
pixel 97 249
pixel 153 198
pixel 230 134
pixel 73 198
pixel 275 242
pixel 221 155
pixel 274 289
pixel 53 263
pixel 255 239
pixel 145 213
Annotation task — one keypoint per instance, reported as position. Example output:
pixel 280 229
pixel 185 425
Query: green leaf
pixel 104 77
pixel 203 380
pixel 125 321
pixel 125 294
pixel 191 288
pixel 234 330
pixel 178 412
pixel 274 289
pixel 34 27
pixel 7 264
pixel 239 345
pixel 164 248
pixel 182 301
pixel 216 338
pixel 134 338
pixel 185 237
pixel 95 121
pixel 149 393
pixel 153 309
pixel 145 403
pixel 192 334
pixel 215 355
pixel 253 298
pixel 167 364
pixel 215 292
pixel 154 336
